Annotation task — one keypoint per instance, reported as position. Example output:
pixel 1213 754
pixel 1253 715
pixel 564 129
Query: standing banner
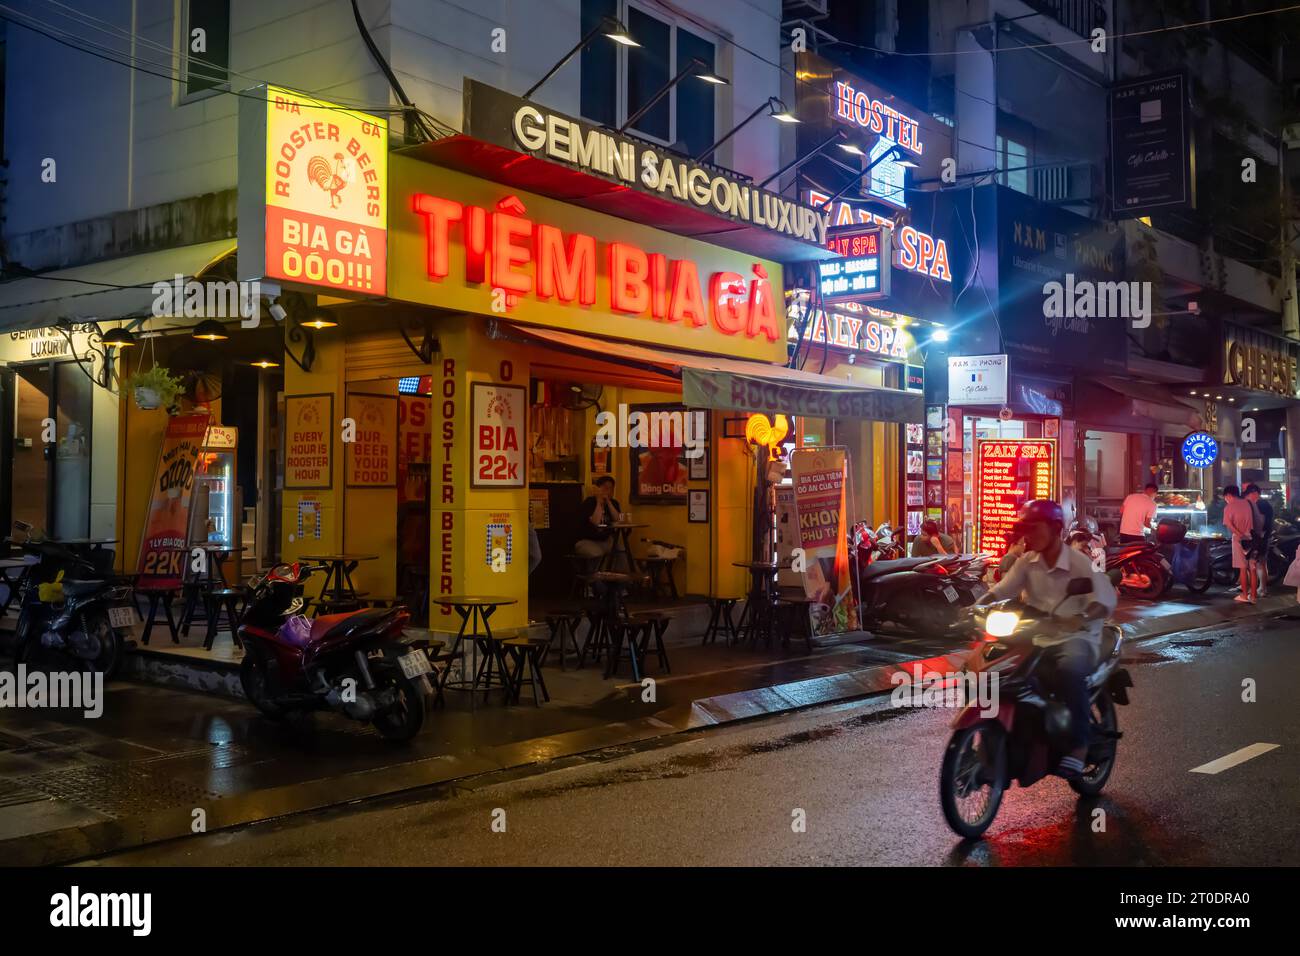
pixel 169 506
pixel 820 483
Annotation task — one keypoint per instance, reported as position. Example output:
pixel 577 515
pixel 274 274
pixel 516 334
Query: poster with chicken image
pixel 162 546
pixel 326 194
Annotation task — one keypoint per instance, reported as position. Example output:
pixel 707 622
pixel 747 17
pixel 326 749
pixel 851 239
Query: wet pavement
pixel 71 787
pixel 863 780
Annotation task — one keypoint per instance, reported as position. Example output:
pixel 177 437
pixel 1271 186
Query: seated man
pixel 1040 579
pixel 932 541
pixel 598 512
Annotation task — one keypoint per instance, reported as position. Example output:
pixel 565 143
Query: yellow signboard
pixel 463 243
pixel 326 200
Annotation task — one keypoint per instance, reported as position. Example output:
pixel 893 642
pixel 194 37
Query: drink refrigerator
pixel 216 473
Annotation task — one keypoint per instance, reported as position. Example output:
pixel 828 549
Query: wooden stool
pixel 627 632
pixel 563 625
pixel 795 611
pixel 492 667
pixel 527 653
pixel 157 597
pixel 217 602
pixel 657 567
pixel 720 620
pixel 653 625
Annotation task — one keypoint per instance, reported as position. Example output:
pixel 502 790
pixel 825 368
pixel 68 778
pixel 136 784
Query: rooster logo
pixel 332 177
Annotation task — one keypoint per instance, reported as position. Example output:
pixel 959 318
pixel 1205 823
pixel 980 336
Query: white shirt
pixel 1043 587
pixel 1139 510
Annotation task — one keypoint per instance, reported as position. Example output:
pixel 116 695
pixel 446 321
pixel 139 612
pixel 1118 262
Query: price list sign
pixel 1009 472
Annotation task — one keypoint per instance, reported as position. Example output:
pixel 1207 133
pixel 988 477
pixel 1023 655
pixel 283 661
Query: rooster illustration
pixel 332 178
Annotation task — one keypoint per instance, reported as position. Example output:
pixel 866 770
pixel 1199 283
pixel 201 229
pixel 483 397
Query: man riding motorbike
pixel 1040 579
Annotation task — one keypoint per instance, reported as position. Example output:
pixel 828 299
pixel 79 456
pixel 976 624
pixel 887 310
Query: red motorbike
pixel 356 663
pixel 1021 733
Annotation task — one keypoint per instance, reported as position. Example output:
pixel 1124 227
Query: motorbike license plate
pixel 123 617
pixel 950 594
pixel 415 663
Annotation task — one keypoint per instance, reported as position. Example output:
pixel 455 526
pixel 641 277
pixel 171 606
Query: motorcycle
pixel 1084 537
pixel 1183 557
pixel 1029 731
pixel 70 609
pixel 924 594
pixel 354 663
pixel 1144 571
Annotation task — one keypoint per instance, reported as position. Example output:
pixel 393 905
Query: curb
pixel 544 753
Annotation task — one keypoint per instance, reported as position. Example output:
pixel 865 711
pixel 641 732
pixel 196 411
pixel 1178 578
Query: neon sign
pixel 856 334
pixel 516 257
pixel 860 109
pixel 1200 450
pixel 859 272
pixel 913 250
pixel 1009 472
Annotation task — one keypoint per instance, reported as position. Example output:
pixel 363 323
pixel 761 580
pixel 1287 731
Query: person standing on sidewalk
pixel 1263 533
pixel 1239 519
pixel 1138 514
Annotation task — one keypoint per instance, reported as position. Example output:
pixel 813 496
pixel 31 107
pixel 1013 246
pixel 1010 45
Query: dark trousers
pixel 1071 663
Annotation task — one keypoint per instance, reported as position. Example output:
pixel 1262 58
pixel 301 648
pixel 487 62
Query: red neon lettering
pixel 762 314
pixel 438 215
pixel 565 267
pixel 509 253
pixel 726 291
pixel 629 270
pixel 475 243
pixel 685 304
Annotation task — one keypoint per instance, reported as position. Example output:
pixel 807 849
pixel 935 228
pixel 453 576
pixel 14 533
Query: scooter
pixel 354 663
pixel 925 595
pixel 1144 571
pixel 70 611
pixel 1183 557
pixel 1030 729
pixel 1085 537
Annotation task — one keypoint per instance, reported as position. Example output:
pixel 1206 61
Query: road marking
pixel 1231 760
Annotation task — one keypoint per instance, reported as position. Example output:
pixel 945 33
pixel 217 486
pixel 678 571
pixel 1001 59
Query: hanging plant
pixel 154 388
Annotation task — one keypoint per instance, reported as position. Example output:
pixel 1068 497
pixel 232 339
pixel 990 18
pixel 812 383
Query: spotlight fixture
pixel 264 362
pixel 119 338
pixel 852 149
pixel 776 109
pixel 210 330
pixel 696 66
pixel 321 319
pixel 608 26
pixel 939 335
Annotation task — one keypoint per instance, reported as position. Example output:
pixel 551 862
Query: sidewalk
pixel 71 787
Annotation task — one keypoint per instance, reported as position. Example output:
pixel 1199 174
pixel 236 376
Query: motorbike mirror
pixel 1079 586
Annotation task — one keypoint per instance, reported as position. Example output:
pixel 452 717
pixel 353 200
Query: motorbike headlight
pixel 1001 623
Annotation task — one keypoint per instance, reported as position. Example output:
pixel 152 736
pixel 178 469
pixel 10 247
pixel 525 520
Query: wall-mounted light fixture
pixel 101 349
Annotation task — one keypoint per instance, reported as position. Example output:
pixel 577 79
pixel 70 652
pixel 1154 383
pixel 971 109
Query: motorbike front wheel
pixel 1101 754
pixel 973 778
pixel 403 719
pixel 252 678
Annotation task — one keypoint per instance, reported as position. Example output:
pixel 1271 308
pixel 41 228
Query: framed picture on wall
pixel 699 465
pixel 659 469
pixel 698 508
pixel 309 442
pixel 602 459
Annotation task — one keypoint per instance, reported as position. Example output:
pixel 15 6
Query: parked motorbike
pixel 1183 557
pixel 70 610
pixel 1030 730
pixel 1224 574
pixel 924 594
pixel 354 663
pixel 1144 571
pixel 1085 537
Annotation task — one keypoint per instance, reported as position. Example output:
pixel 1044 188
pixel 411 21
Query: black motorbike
pixel 1144 571
pixel 925 595
pixel 70 609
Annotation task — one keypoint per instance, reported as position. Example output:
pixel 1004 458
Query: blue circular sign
pixel 1200 450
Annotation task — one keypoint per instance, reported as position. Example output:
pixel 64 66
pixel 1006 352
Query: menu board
pixel 1009 472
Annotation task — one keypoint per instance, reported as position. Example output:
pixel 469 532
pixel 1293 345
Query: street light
pixel 776 109
pixel 895 152
pixel 705 74
pixel 608 26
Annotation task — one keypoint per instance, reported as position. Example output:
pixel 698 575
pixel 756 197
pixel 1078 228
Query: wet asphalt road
pixel 864 777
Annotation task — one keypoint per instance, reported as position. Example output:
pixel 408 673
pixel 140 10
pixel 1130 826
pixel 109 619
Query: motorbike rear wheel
pixel 403 720
pixel 1157 580
pixel 1104 722
pixel 974 767
pixel 97 629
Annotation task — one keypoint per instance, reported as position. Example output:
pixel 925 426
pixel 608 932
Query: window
pixel 1013 156
pixel 618 80
pixel 204 44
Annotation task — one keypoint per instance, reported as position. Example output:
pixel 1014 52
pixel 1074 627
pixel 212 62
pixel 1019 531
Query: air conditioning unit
pixel 1064 182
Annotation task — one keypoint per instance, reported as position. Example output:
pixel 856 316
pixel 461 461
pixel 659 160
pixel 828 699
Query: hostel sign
pixel 313 193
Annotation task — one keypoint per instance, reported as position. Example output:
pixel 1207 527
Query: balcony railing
pixel 1079 16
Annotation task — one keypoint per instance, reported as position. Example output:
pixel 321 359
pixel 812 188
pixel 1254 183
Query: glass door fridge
pixel 216 473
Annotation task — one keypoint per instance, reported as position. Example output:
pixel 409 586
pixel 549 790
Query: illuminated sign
pixel 855 333
pixel 471 245
pixel 316 211
pixel 1008 473
pixel 500 433
pixel 860 272
pixel 977 380
pixel 912 249
pixel 858 108
pixel 1200 450
pixel 515 123
pixel 1257 360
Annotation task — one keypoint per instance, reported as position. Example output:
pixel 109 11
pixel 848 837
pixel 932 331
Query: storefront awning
pixel 710 381
pixel 114 289
pixel 1119 403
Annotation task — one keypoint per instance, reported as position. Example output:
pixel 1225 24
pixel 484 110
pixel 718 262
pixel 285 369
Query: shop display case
pixel 1186 505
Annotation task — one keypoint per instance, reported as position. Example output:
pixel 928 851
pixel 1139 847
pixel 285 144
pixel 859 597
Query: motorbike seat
pixel 329 627
pixel 76 589
pixel 877 568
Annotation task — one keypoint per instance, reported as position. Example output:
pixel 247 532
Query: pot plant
pixel 154 388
